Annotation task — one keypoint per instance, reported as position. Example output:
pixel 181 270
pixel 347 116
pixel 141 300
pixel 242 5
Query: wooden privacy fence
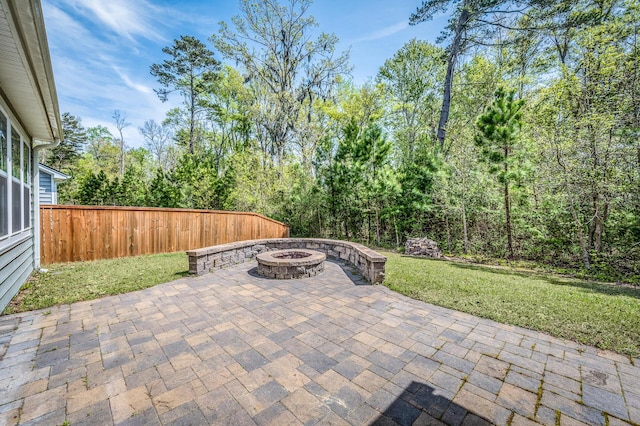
pixel 77 233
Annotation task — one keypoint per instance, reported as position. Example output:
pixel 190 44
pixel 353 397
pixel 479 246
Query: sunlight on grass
pixel 603 315
pixel 73 282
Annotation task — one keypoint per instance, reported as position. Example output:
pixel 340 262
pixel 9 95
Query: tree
pixel 589 116
pixel 275 46
pixel 133 186
pixel 157 139
pixel 345 178
pixel 94 189
pixel 472 23
pixel 64 155
pixel 379 179
pixel 190 71
pixel 164 190
pixel 102 152
pixel 412 79
pixel 498 133
pixel 228 114
pixel 121 124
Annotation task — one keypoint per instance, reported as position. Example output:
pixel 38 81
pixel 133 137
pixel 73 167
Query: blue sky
pixel 101 50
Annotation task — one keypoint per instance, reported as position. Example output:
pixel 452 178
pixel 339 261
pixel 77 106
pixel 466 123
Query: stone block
pixel 227 255
pixel 208 264
pixel 222 263
pixel 422 247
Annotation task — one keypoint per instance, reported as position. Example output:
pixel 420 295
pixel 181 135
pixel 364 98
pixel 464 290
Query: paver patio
pixel 234 348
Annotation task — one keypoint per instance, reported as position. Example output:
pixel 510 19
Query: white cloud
pixel 130 83
pixel 126 18
pixel 384 32
pixel 64 32
pixel 97 62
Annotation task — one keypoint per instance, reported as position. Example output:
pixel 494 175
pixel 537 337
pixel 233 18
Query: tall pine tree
pixel 498 136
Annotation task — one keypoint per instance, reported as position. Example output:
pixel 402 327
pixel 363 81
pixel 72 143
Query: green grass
pixel 73 282
pixel 603 315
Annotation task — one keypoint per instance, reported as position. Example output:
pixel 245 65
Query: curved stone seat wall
pixel 370 263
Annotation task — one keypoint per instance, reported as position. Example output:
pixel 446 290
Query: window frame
pixel 6 173
pixel 25 153
pixel 27 186
pixel 16 166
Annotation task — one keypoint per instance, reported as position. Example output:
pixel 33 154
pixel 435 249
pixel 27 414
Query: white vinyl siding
pixel 16 263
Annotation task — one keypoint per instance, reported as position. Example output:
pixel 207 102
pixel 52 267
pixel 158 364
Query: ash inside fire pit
pixel 288 264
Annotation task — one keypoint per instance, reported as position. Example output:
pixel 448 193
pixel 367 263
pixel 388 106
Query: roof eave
pixel 28 23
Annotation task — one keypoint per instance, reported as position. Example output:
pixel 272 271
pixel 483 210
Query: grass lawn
pixel 73 282
pixel 603 315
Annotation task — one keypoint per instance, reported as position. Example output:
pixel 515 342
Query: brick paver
pixel 233 348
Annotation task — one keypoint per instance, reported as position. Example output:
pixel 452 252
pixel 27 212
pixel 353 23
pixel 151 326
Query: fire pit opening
pixel 286 254
pixel 288 264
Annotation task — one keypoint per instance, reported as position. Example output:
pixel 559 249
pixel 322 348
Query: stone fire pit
pixel 291 263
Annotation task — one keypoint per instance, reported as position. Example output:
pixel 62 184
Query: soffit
pixel 26 78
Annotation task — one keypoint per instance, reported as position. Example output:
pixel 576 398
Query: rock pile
pixel 422 247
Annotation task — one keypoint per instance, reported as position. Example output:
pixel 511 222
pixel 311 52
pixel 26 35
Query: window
pixel 26 185
pixel 4 211
pixel 16 182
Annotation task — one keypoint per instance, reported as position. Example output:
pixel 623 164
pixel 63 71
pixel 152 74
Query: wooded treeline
pixel 535 156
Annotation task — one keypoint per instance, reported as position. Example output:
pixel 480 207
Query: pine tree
pixel 190 71
pixel 65 154
pixel 498 136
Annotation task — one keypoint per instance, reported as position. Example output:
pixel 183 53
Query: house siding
pixel 29 102
pixel 46 190
pixel 17 254
pixel 16 263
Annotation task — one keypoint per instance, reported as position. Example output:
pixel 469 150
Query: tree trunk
pixel 465 232
pixel 346 224
pixel 599 227
pixel 507 211
pixel 368 223
pixel 583 244
pixel 448 81
pixel 377 225
pixel 446 224
pixel 507 202
pixel 395 225
pixel 192 112
pixel 121 155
